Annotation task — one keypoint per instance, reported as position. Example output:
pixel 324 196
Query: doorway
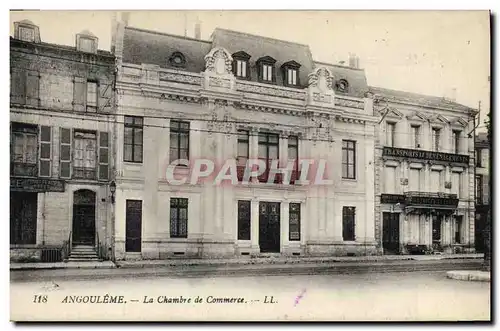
pixel 133 226
pixel 23 218
pixel 269 227
pixel 84 217
pixel 436 231
pixel 390 233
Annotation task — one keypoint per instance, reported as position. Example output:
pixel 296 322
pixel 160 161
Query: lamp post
pixel 112 189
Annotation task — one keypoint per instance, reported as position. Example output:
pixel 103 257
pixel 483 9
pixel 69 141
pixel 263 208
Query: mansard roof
pixel 356 78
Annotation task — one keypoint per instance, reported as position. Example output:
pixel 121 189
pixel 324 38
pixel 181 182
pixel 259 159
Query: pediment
pixel 267 59
pixel 394 114
pixel 439 119
pixel 459 122
pixel 417 116
pixel 242 55
pixel 291 64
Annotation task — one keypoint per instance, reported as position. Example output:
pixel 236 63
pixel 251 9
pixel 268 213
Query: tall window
pixel 435 181
pixel 244 212
pixel 243 147
pixel 241 68
pixel 268 151
pixel 178 217
pixel 294 222
pixel 456 142
pixel 348 225
pixel 85 155
pixel 179 140
pixel 291 76
pixel 458 229
pixel 479 157
pixel 479 189
pixel 91 96
pixel 390 180
pixel 348 159
pixel 24 150
pixel 26 34
pixel 132 143
pixel 415 133
pixel 293 151
pixel 456 183
pixel 436 139
pixel 414 180
pixel 267 72
pixel 25 87
pixel 391 130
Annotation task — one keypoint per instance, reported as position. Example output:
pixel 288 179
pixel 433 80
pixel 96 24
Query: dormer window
pixel 177 59
pixel 241 68
pixel 86 42
pixel 343 86
pixel 266 69
pixel 26 31
pixel 290 73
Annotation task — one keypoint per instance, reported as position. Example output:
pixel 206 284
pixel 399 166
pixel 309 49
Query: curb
pixel 470 275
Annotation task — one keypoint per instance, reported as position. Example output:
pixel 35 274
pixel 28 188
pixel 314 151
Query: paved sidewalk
pixel 470 275
pixel 237 261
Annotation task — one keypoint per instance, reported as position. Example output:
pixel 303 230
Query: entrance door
pixel 390 233
pixel 84 217
pixel 269 227
pixel 133 227
pixel 436 231
pixel 23 216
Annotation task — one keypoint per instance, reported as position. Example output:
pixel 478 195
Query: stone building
pixel 61 122
pixel 424 176
pixel 237 97
pixel 482 184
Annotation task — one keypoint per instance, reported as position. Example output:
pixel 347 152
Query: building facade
pixel 239 97
pixel 425 174
pixel 483 206
pixel 61 122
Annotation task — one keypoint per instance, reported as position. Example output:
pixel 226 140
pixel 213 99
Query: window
pixel 479 157
pixel 243 148
pixel 479 189
pixel 132 143
pixel 415 133
pixel 293 151
pixel 391 129
pixel 456 142
pixel 85 155
pixel 244 212
pixel 436 137
pixel 414 179
pixel 294 220
pixel 348 159
pixel 268 151
pixel 25 87
pixel 177 59
pixel 178 217
pixel 24 149
pixel 436 229
pixel 86 45
pixel 458 229
pixel 91 96
pixel 45 151
pixel 267 72
pixel 348 218
pixel 390 180
pixel 342 86
pixel 291 76
pixel 435 181
pixel 456 183
pixel 241 68
pixel 179 140
pixel 27 34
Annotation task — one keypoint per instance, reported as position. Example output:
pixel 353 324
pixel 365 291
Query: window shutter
pixel 79 93
pixel 18 86
pixel 33 89
pixel 103 155
pixel 45 164
pixel 65 153
pixel 104 98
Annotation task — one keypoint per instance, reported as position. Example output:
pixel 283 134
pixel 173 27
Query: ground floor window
pixel 458 229
pixel 178 217
pixel 348 223
pixel 436 229
pixel 23 217
pixel 294 218
pixel 243 220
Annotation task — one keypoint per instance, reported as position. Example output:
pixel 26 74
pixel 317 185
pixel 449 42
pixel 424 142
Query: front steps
pixel 83 253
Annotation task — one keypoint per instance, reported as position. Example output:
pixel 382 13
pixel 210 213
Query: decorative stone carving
pixel 321 78
pixel 272 91
pixel 349 103
pixel 219 82
pixel 180 78
pixel 220 118
pixel 218 61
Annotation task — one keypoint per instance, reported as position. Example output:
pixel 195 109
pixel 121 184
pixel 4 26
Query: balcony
pixel 24 169
pixel 425 155
pixel 422 199
pixel 263 178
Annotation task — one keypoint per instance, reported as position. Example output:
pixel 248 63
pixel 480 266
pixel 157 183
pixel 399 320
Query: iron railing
pixel 430 194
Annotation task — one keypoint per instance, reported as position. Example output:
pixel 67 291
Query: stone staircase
pixel 83 253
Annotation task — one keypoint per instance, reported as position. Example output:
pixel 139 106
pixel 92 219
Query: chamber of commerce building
pixel 238 97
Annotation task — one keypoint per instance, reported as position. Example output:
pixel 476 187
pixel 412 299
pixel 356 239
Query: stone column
pixel 254 224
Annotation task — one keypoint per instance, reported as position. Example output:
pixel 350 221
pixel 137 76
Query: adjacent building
pixel 425 173
pixel 237 97
pixel 482 184
pixel 62 132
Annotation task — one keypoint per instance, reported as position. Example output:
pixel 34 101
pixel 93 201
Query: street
pixel 410 296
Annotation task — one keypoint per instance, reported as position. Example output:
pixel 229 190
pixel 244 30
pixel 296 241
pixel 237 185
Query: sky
pixel 428 52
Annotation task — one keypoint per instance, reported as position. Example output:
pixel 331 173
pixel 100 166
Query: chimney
pixel 197 30
pixel 353 61
pixel 453 96
pixel 125 18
